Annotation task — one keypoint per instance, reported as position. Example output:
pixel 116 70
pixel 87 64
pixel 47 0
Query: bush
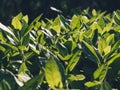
pixel 78 53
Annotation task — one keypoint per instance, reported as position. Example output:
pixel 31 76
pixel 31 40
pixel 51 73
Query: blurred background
pixel 10 8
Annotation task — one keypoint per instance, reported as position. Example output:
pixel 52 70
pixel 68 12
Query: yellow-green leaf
pixel 25 18
pixel 107 50
pixel 54 73
pixel 16 23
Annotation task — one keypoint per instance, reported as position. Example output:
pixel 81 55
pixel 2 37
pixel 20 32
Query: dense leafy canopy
pixel 78 53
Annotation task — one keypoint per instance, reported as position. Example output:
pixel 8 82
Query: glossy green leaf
pixel 107 50
pixel 113 59
pixel 64 58
pixel 76 77
pixel 94 12
pixel 54 73
pixel 110 39
pixel 2 48
pixel 31 26
pixel 92 84
pixel 116 45
pixel 117 17
pixel 56 25
pixel 34 82
pixel 100 73
pixel 22 48
pixel 16 23
pixel 85 19
pixel 101 23
pixel 92 51
pixel 101 45
pixel 25 18
pixel 11 46
pixel 19 16
pixel 37 26
pixel 75 23
pixel 22 73
pixel 73 61
pixel 61 49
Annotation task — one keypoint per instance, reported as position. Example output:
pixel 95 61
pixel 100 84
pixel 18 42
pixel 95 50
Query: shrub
pixel 78 53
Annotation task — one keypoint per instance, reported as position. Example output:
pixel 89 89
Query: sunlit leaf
pixel 94 12
pixel 73 61
pixel 76 77
pixel 16 23
pixel 92 84
pixel 25 18
pixel 54 69
pixel 100 73
pixel 75 23
pixel 113 59
pixel 107 50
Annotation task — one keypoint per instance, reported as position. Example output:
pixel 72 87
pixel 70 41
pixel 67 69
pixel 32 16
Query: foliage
pixel 78 53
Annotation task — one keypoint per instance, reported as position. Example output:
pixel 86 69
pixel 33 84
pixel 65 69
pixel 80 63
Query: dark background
pixel 10 8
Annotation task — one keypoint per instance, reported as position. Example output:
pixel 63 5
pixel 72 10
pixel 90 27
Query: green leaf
pixel 2 48
pixel 100 73
pixel 110 39
pixel 56 25
pixel 117 18
pixel 23 73
pixel 94 12
pixel 78 77
pixel 116 45
pixel 101 45
pixel 101 23
pixel 107 27
pixel 31 26
pixel 11 46
pixel 28 55
pixel 92 84
pixel 16 23
pixel 37 26
pixel 34 82
pixel 106 86
pixel 64 58
pixel 19 16
pixel 95 37
pixel 61 49
pixel 73 61
pixel 92 51
pixel 107 50
pixel 8 80
pixel 4 85
pixel 85 19
pixel 54 73
pixel 113 59
pixel 22 47
pixel 75 23
pixel 25 18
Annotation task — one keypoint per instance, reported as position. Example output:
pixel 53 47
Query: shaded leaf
pixel 92 51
